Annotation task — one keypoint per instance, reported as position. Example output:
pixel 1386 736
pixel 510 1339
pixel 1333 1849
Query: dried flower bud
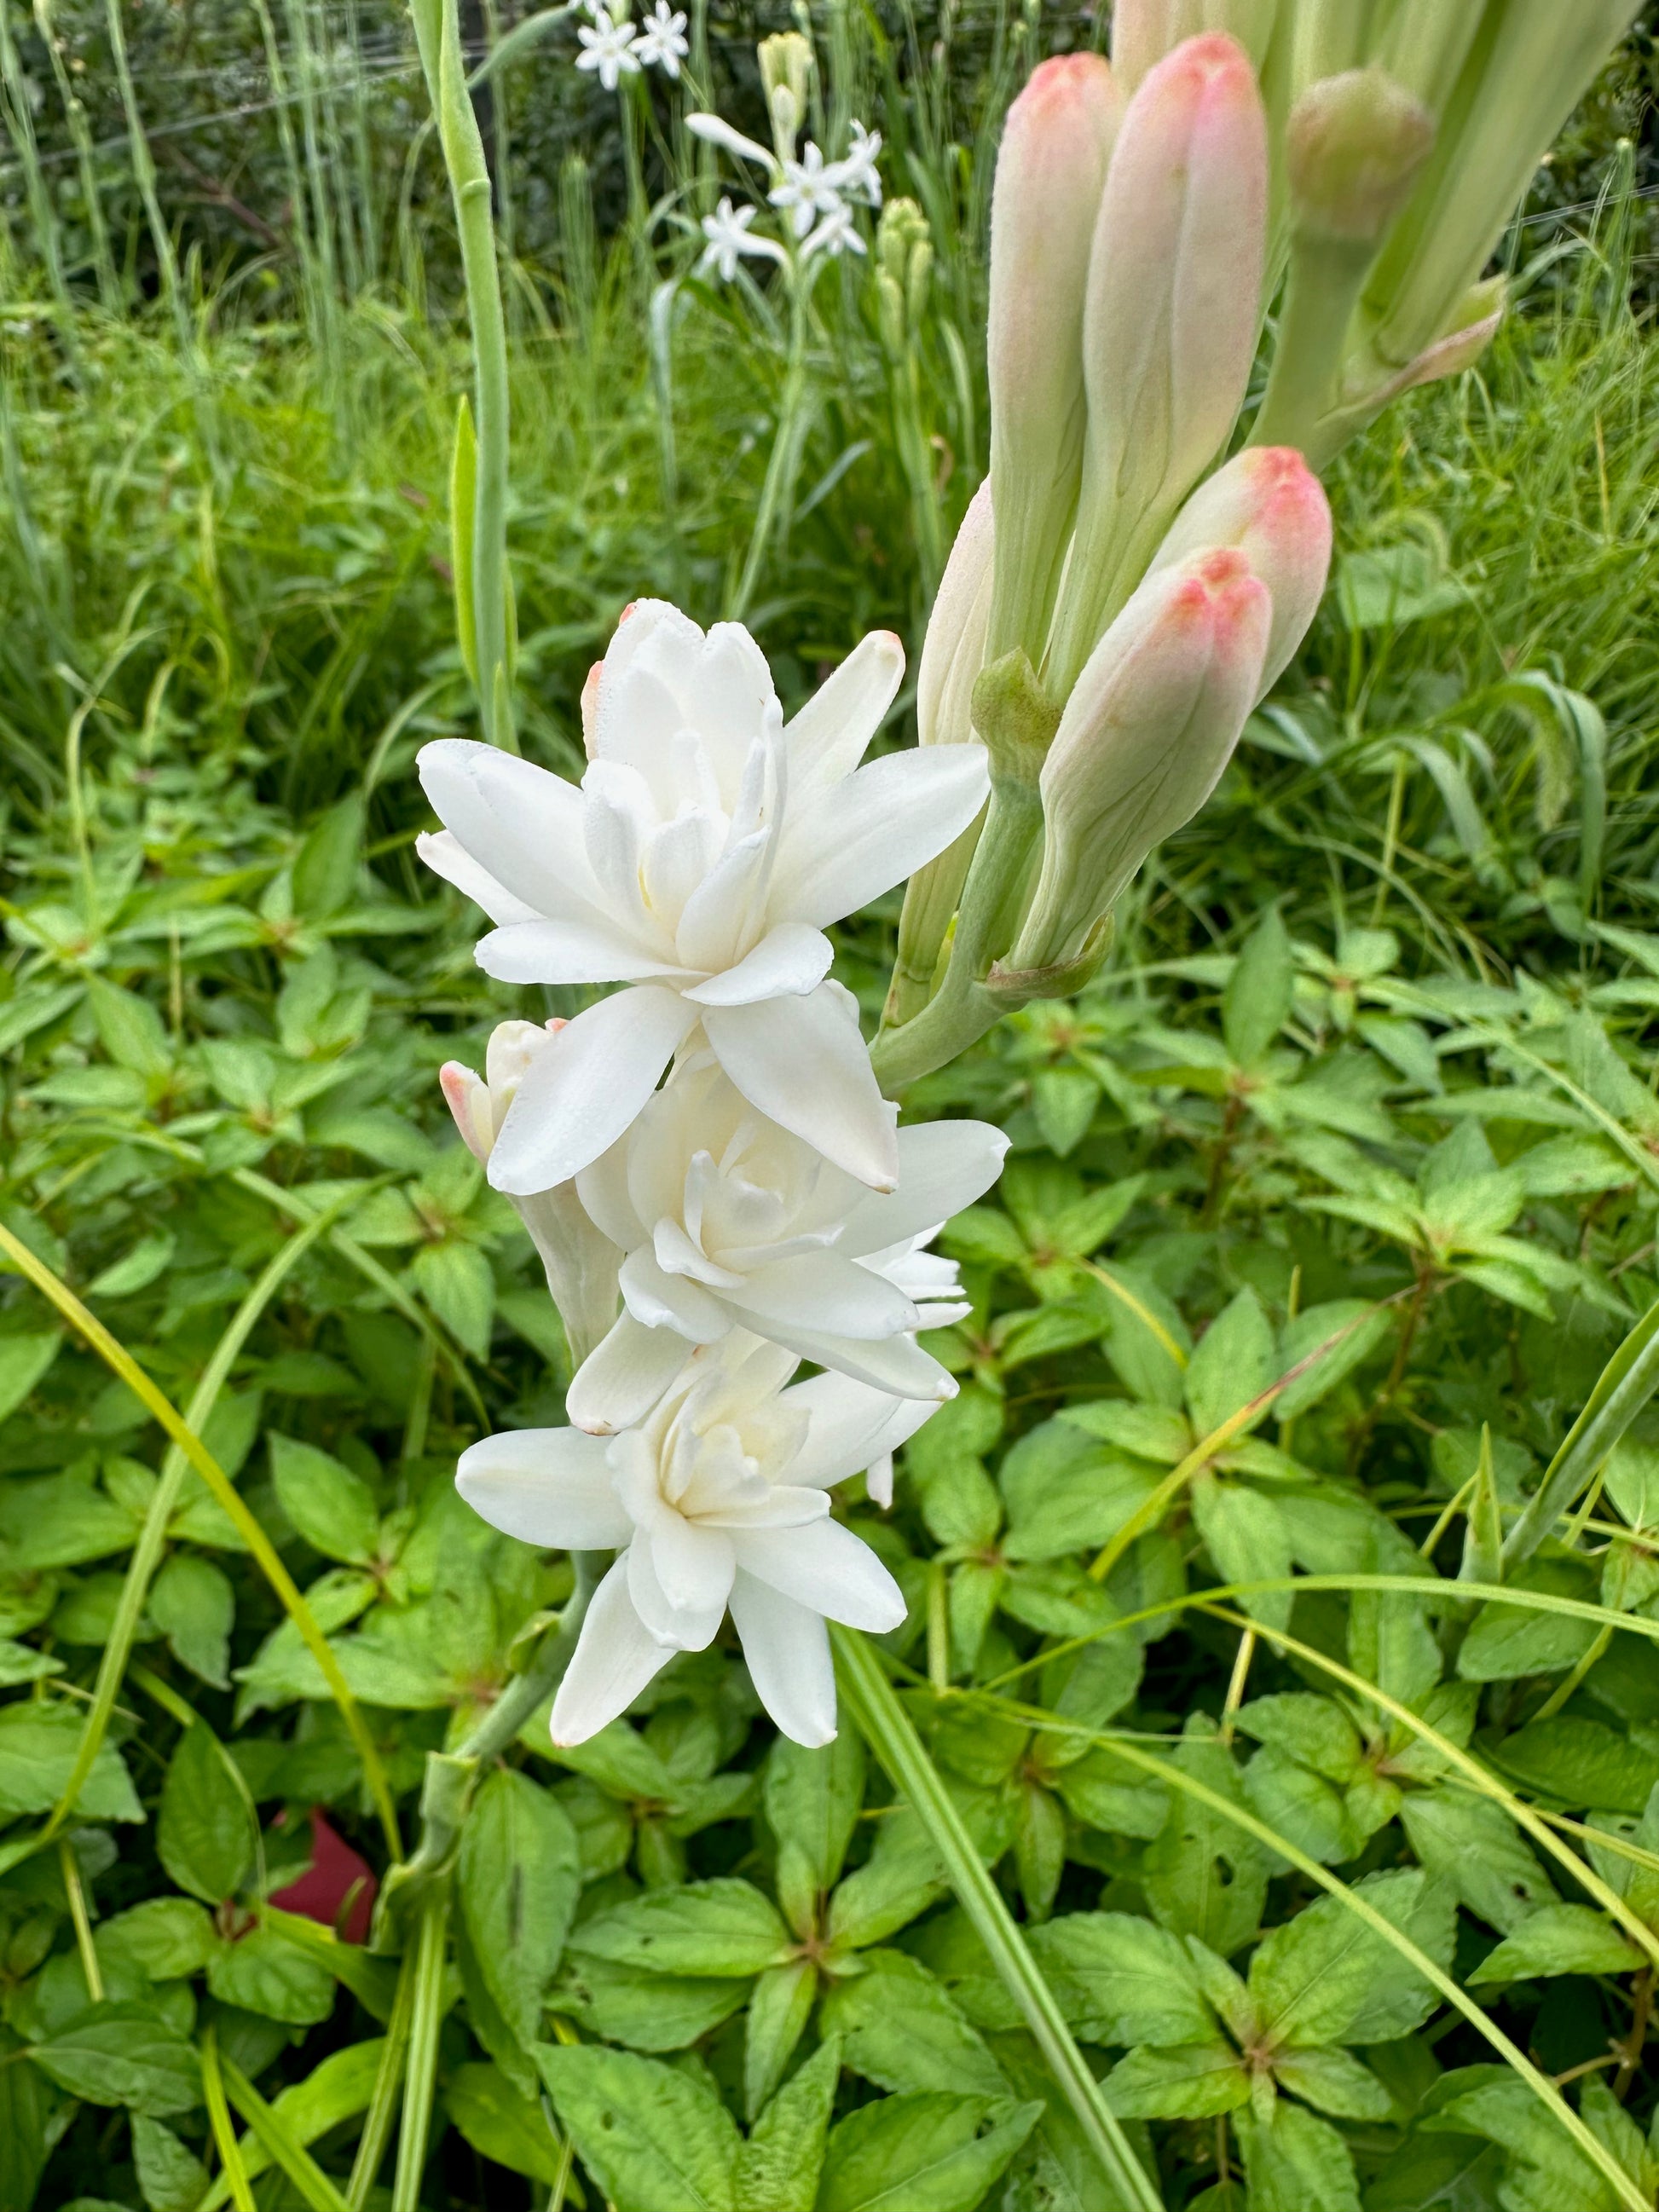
pixel 1269 505
pixel 1147 731
pixel 1050 173
pixel 1354 145
pixel 1169 328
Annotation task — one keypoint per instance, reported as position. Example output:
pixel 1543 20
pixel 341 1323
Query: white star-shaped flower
pixel 837 235
pixel 729 235
pixel 719 1501
pixel 662 44
pixel 808 189
pixel 705 853
pixel 856 173
pixel 608 49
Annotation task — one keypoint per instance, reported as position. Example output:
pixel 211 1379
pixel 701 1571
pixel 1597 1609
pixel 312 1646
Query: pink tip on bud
pixel 1269 506
pixel 467 1096
pixel 591 706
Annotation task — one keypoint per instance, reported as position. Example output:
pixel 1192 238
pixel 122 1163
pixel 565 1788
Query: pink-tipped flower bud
pixel 1144 31
pixel 1269 505
pixel 581 1262
pixel 1147 731
pixel 1169 328
pixel 1353 146
pixel 1051 170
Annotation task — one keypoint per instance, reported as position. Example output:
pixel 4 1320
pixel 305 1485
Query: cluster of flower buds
pixel 761 1208
pixel 1118 601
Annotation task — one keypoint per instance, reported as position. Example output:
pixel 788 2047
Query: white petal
pixel 547 1487
pixel 830 735
pixel 658 1300
pixel 827 1567
pixel 788 960
pixel 897 1365
pixel 614 1659
pixel 581 1094
pixel 515 819
pixel 692 1568
pixel 597 951
pixel 826 1292
pixel 872 831
pixel 446 856
pixel 621 1380
pixel 714 920
pixel 803 1062
pixel 787 1647
pixel 943 1167
pixel 850 1427
pixel 719 132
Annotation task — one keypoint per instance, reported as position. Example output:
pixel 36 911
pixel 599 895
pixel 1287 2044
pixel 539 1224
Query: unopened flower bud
pixel 786 68
pixel 1050 173
pixel 1170 324
pixel 953 651
pixel 1353 147
pixel 904 262
pixel 1147 731
pixel 1144 31
pixel 580 1264
pixel 1269 505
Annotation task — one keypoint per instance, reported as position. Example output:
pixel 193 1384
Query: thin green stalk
pixel 220 2122
pixel 318 304
pixel 437 29
pixel 143 170
pixel 279 2143
pixel 120 1361
pixel 882 1721
pixel 1623 1388
pixel 73 1889
pixel 20 124
pixel 75 114
pixel 388 2090
pixel 785 442
pixel 425 2020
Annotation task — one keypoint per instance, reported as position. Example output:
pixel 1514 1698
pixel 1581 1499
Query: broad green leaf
pixel 456 1281
pixel 37 1746
pixel 163 1938
pixel 1234 1362
pixel 325 1502
pixel 326 867
pixel 204 1833
pixel 30 2121
pixel 1471 1845
pixel 1559 1939
pixel 654 2139
pixel 779 2006
pixel 1313 1729
pixel 1247 1536
pixel 171 2177
pixel 194 1605
pixel 812 1799
pixel 1256 1001
pixel 131 1028
pixel 519 1875
pixel 1335 1339
pixel 501 2124
pixel 722 1927
pixel 900 2029
pixel 1580 1763
pixel 23 1364
pixel 123 2054
pixel 262 1970
pixel 925 2153
pixel 1334 2082
pixel 1505 1644
pixel 1325 1976
pixel 644 2010
pixel 1185 2081
pixel 1202 1876
pixel 1296 2162
pixel 778 2168
pixel 1120 1979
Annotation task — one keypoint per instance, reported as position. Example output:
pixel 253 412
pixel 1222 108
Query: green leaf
pixel 30 2121
pixel 1326 1977
pixel 922 2153
pixel 1256 1002
pixel 644 2010
pixel 1471 1846
pixel 1559 1939
pixel 1186 2082
pixel 38 1748
pixel 23 1364
pixel 779 2006
pixel 171 2177
pixel 129 1029
pixel 812 1799
pixel 164 1938
pixel 1297 2163
pixel 123 2054
pixel 519 1877
pixel 1357 1329
pixel 654 2139
pixel 456 1281
pixel 1315 1731
pixel 1580 1762
pixel 900 2029
pixel 501 2124
pixel 1505 1644
pixel 193 1605
pixel 204 1834
pixel 1202 1876
pixel 326 867
pixel 1334 2082
pixel 778 2168
pixel 721 1927
pixel 263 1971
pixel 1246 1534
pixel 1234 1362
pixel 1120 1980
pixel 325 1503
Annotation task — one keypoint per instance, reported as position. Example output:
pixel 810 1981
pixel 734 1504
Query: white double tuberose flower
pixel 720 1501
pixel 700 861
pixel 727 1222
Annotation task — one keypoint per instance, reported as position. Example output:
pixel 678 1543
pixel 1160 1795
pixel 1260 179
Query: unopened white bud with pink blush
pixel 1145 737
pixel 1269 505
pixel 1170 324
pixel 1051 171
pixel 580 1263
pixel 1144 31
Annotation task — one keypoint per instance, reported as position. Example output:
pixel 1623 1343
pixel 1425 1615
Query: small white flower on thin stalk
pixel 703 858
pixel 856 173
pixel 837 235
pixel 580 1264
pixel 728 1222
pixel 719 1501
pixel 662 44
pixel 808 189
pixel 608 48
pixel 729 236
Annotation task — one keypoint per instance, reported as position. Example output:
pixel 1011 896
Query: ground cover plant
pixel 1310 1314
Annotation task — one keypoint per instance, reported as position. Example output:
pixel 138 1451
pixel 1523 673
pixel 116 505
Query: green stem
pixel 883 1722
pixel 426 2020
pixel 143 170
pixel 388 2088
pixel 1625 1386
pixel 779 467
